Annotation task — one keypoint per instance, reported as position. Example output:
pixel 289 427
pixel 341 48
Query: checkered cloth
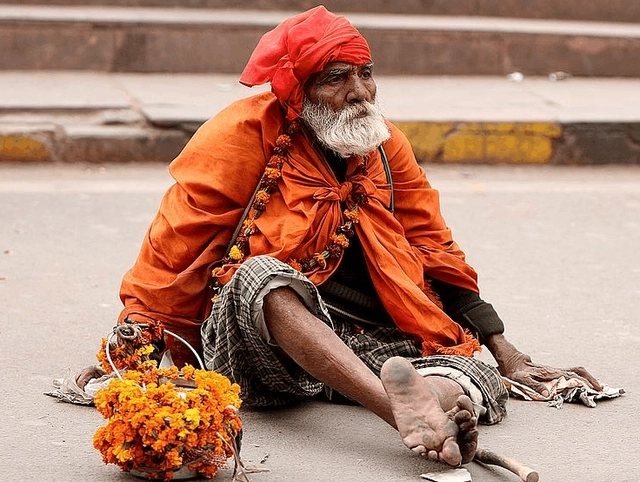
pixel 237 344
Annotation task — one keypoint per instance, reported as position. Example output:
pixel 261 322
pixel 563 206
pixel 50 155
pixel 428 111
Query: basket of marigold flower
pixel 165 423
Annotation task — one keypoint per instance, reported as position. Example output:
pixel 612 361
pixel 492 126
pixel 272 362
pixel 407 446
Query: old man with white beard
pixel 303 252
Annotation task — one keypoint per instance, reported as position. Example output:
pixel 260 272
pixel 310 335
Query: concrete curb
pixel 90 143
pixel 524 143
pixel 437 142
pixel 588 10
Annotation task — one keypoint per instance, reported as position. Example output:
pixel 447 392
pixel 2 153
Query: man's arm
pixel 473 313
pixel 429 235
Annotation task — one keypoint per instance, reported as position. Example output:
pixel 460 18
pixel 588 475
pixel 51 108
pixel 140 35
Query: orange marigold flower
pixel 276 161
pixel 295 265
pixel 272 173
pixel 283 141
pixel 352 214
pixel 162 427
pixel 341 240
pixel 248 226
pixel 262 196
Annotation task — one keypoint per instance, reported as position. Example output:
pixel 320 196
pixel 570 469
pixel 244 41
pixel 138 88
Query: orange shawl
pixel 216 175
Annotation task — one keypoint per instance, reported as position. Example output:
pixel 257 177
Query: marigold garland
pixel 266 186
pixel 133 347
pixel 339 241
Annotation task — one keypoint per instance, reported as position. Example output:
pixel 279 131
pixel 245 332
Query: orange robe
pixel 216 175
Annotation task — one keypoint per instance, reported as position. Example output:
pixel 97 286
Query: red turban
pixel 300 46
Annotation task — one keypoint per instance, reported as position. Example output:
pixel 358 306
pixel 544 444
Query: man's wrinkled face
pixel 341 84
pixel 340 107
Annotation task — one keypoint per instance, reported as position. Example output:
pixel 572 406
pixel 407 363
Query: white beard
pixel 347 132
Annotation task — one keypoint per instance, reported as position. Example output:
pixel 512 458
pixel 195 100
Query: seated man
pixel 302 251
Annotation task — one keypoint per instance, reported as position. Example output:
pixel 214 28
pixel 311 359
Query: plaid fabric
pixel 234 346
pixel 483 376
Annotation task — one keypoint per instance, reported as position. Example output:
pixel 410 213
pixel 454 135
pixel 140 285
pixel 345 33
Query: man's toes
pixel 466 424
pixel 462 417
pixel 468 444
pixel 419 449
pixel 451 452
pixel 470 435
pixel 465 420
pixel 465 403
pixel 468 451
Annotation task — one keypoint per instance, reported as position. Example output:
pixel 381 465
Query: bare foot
pixel 447 434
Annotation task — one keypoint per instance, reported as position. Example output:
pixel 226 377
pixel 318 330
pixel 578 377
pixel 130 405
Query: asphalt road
pixel 557 253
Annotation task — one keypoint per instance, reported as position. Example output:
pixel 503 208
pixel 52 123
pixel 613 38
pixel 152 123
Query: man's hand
pixel 87 374
pixel 518 367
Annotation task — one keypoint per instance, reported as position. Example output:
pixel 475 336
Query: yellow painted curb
pixel 508 142
pixel 21 148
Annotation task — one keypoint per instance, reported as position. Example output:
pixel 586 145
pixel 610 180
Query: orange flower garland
pixel 267 185
pixel 339 241
pixel 134 346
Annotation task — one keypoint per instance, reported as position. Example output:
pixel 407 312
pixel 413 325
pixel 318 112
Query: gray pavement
pixel 556 249
pixel 167 99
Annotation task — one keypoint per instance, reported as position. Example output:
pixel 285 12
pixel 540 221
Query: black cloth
pixel 349 293
pixel 466 308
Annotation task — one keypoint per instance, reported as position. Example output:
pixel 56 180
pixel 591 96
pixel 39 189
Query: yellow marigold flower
pixel 235 253
pixel 321 259
pixel 188 372
pixel 145 350
pixel 122 454
pixel 160 426
pixel 192 417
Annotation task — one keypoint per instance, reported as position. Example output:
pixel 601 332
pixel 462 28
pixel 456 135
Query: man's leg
pixel 432 414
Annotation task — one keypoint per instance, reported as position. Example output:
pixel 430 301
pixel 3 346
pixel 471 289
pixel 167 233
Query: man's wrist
pixel 501 349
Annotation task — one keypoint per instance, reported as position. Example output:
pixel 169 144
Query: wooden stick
pixel 488 457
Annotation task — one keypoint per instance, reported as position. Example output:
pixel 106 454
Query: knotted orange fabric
pixel 300 46
pixel 215 178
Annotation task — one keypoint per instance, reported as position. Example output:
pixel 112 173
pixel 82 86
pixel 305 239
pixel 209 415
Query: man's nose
pixel 358 90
